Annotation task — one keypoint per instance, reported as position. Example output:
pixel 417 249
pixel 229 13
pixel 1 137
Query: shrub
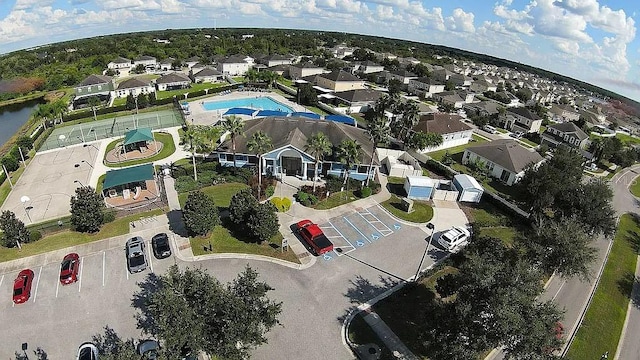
pixel 270 190
pixel 364 192
pixel 109 216
pixel 375 187
pixel 286 204
pixel 334 183
pixel 303 198
pixel 35 236
pixel 26 142
pixel 282 204
pixel 200 214
pixel 185 184
pixel 10 162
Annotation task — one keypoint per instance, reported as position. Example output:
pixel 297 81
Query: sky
pixel 591 40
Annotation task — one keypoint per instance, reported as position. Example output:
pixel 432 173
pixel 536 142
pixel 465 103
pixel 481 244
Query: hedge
pixel 89 113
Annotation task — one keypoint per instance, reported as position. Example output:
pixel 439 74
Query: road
pixel 315 300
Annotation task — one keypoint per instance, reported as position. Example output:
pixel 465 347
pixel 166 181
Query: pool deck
pixel 200 116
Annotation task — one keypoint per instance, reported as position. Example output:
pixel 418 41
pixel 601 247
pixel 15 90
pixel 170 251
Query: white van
pixel 490 129
pixel 454 239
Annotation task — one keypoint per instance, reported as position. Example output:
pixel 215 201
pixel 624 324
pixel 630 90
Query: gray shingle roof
pixel 359 95
pixel 340 75
pixel 132 83
pixel 121 60
pixel 207 72
pixel 172 78
pixel 569 127
pixel 95 80
pixel 294 131
pixel 441 123
pixel 307 65
pixel 524 112
pixel 506 153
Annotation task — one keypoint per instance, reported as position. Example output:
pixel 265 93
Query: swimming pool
pixel 260 103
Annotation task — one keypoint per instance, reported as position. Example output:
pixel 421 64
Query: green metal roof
pixel 137 135
pixel 128 175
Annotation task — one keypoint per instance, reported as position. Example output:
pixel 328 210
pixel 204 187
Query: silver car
pixel 136 256
pixel 87 351
pixel 454 239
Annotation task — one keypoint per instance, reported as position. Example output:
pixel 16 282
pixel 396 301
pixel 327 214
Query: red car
pixel 69 269
pixel 314 236
pixel 22 286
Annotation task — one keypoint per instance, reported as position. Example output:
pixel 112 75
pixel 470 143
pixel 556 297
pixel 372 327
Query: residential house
pixel 401 75
pixel 276 59
pixel 135 87
pixel 482 108
pixel 119 63
pixel 339 80
pixel 368 67
pixel 425 87
pixel 566 133
pixel 233 65
pixel 172 81
pixel 454 132
pixel 460 79
pixel 521 119
pixel 441 74
pixel 207 75
pixel 192 61
pixel 358 100
pixel 482 85
pixel 282 70
pixel 167 64
pixel 563 113
pixel 101 86
pixel 505 159
pixel 149 62
pixel 289 135
pixel 298 71
pixel 341 51
pixel 450 98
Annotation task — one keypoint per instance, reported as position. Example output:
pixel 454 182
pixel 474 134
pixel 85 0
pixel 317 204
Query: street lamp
pixel 432 228
pixel 78 182
pixel 84 161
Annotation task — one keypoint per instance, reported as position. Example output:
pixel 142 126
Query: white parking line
pixel 150 262
pixel 385 232
pixel 356 229
pixel 104 254
pixel 81 268
pixel 35 294
pixel 340 253
pixel 57 286
pixel 126 269
pixel 1 280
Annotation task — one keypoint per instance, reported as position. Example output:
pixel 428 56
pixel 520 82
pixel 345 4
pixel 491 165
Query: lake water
pixel 12 117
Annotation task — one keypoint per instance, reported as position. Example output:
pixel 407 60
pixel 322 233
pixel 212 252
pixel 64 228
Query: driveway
pixel 315 300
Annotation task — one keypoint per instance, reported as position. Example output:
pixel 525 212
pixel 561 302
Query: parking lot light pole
pixel 426 250
pixel 78 182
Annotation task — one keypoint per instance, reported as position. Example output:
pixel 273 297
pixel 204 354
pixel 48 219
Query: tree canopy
pixel 199 213
pixel 87 210
pixel 13 230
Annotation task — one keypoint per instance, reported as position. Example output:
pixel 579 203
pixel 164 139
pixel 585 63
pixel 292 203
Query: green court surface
pixel 96 130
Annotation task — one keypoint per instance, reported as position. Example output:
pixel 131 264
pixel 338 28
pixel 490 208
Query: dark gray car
pixel 136 256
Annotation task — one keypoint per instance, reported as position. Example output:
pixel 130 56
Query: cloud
pixel 461 21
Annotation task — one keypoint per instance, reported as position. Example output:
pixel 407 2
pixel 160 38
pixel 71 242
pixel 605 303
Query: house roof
pixel 427 80
pixel 307 65
pixel 172 78
pixel 145 58
pixel 402 72
pixel 138 135
pixel 207 72
pixel 441 123
pixel 132 83
pixel 193 59
pixel 467 182
pixel 95 80
pixel 294 131
pixel 524 112
pixel 340 75
pixel 121 60
pixel 234 59
pixel 279 67
pixel 420 181
pixel 569 127
pixel 369 63
pixel 128 175
pixel 359 95
pixel 507 153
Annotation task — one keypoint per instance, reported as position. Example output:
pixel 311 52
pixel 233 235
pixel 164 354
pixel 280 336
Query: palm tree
pixel 194 140
pixel 317 145
pixel 259 143
pixel 234 126
pixel 408 120
pixel 94 102
pixel 348 153
pixel 251 75
pixel 212 136
pixel 379 133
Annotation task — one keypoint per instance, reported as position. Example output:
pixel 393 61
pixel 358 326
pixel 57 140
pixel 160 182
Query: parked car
pixel 22 286
pixel 490 129
pixel 517 134
pixel 313 235
pixel 454 239
pixel 160 245
pixel 149 349
pixel 136 257
pixel 69 269
pixel 87 351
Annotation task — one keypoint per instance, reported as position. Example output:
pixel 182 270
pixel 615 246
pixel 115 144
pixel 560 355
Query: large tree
pixel 318 145
pixel 379 133
pixel 259 143
pixel 192 310
pixel 233 126
pixel 200 213
pixel 194 140
pixel 87 210
pixel 94 102
pixel 112 347
pixel 263 221
pixel 349 152
pixel 13 230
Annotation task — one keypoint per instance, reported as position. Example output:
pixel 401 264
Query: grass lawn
pixel 360 120
pixel 220 194
pixel 602 325
pixel 168 148
pixel 478 139
pixel 634 188
pixel 361 333
pixel 336 199
pixel 224 241
pixel 69 238
pixel 627 139
pixel 5 187
pixel 493 222
pixel 502 131
pixel 529 142
pixel 395 180
pixel 422 212
pixel 285 82
pixel 316 110
pixel 437 155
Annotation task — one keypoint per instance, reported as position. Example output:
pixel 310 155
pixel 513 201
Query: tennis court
pixel 117 126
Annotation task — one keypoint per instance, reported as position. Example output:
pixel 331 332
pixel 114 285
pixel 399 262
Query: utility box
pixel 407 205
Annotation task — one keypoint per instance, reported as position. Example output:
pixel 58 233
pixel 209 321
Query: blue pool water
pixel 261 103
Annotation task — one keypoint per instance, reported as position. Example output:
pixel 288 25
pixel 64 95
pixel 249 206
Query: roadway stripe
pixel 150 262
pixel 35 294
pixel 57 286
pixel 104 254
pixel 358 230
pixel 1 279
pixel 81 268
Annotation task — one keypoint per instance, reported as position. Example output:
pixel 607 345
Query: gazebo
pixel 129 184
pixel 137 139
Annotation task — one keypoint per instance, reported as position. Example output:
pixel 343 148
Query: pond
pixel 13 116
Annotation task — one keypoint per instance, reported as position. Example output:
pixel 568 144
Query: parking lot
pixel 101 296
